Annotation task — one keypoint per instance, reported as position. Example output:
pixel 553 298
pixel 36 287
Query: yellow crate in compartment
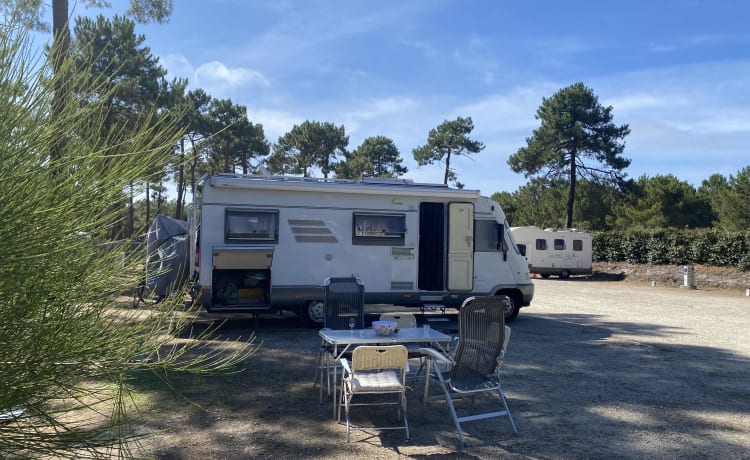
pixel 255 293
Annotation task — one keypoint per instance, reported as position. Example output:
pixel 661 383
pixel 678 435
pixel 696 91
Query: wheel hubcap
pixel 316 311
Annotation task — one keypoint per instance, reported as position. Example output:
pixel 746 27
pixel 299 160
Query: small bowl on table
pixel 385 328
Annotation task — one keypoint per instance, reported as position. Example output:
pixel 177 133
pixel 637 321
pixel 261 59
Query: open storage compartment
pixel 242 276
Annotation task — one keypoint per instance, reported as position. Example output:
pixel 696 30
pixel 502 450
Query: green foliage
pixel 118 63
pixel 674 246
pixel 67 353
pixel 657 202
pixel 150 10
pixel 595 204
pixel 508 203
pixel 378 156
pixel 730 201
pixel 539 203
pixel 450 138
pixel 712 190
pixel 664 201
pixel 32 13
pixel 234 141
pixel 576 138
pixel 308 145
pixel 119 81
pixel 542 203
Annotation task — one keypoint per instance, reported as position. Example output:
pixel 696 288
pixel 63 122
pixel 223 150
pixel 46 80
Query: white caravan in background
pixel 555 252
pixel 267 243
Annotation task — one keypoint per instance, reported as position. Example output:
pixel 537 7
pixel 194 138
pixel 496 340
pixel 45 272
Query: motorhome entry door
pixel 460 246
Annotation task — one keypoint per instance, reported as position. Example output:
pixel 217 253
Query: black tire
pixel 312 314
pixel 564 275
pixel 512 310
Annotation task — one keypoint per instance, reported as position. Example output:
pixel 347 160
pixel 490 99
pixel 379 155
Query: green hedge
pixel 674 247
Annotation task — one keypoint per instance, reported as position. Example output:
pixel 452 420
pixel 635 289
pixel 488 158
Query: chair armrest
pixel 345 365
pixel 436 355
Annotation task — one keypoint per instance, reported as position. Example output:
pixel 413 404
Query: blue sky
pixel 676 71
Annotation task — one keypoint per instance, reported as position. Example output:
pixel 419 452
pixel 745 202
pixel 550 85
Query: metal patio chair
pixel 375 370
pixel 344 299
pixel 474 368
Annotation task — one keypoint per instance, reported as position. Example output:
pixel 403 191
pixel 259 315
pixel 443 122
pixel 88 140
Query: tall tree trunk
pixel 193 166
pixel 60 49
pixel 131 213
pixel 447 167
pixel 180 180
pixel 158 200
pixel 226 158
pixel 148 203
pixel 571 191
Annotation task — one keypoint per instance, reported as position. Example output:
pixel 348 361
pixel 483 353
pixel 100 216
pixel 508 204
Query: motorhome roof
pixel 384 186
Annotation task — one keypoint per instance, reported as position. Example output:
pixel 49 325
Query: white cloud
pixel 688 42
pixel 275 123
pixel 177 65
pixel 690 120
pixel 215 77
pixel 735 120
pixel 374 108
pixel 505 112
pixel 310 35
pixel 639 101
pixel 222 81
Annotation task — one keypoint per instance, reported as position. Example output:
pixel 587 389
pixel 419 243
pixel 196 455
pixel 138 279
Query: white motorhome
pixel 268 243
pixel 555 252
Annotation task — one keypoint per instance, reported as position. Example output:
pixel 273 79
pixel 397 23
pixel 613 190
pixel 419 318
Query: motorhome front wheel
pixel 313 314
pixel 512 308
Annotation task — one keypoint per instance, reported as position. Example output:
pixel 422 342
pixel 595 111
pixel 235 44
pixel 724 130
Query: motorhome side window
pixel 251 226
pixel 578 245
pixel 559 244
pixel 521 249
pixel 378 229
pixel 485 236
pixel 541 244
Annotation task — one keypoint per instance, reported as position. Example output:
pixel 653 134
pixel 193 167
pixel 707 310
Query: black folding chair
pixel 344 303
pixel 344 309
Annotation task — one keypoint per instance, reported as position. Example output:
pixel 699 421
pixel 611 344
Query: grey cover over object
pixel 167 256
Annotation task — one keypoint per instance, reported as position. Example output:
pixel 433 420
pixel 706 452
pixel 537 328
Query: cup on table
pixel 426 329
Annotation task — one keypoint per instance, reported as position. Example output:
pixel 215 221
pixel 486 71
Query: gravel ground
pixel 606 369
pixel 595 369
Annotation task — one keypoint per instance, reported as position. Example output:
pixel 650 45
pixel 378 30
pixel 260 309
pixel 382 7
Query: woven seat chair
pixel 474 368
pixel 344 299
pixel 375 370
